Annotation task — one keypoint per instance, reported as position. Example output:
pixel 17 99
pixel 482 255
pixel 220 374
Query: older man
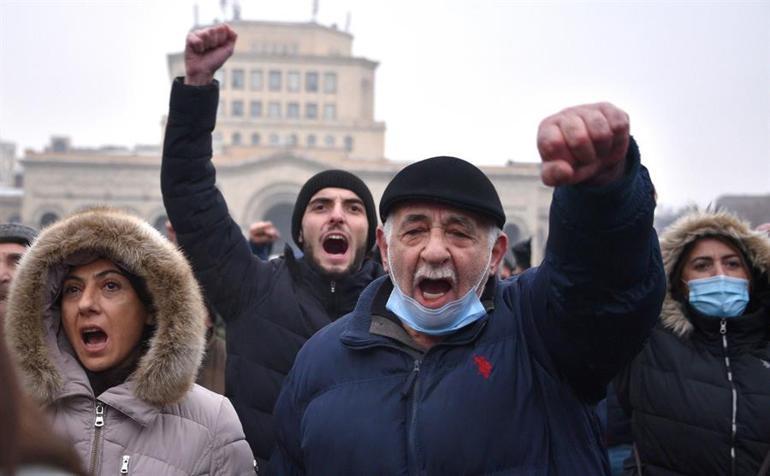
pixel 442 368
pixel 270 308
pixel 14 240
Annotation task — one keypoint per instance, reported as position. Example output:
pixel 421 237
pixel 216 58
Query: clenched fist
pixel 206 51
pixel 584 144
pixel 263 232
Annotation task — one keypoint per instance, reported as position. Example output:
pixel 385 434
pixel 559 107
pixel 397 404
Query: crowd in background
pixel 415 346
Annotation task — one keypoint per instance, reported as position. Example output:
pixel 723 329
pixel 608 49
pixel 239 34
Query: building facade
pixel 322 103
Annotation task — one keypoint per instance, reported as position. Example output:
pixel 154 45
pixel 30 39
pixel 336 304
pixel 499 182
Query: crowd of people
pixel 412 347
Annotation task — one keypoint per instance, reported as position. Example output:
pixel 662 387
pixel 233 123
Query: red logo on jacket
pixel 484 366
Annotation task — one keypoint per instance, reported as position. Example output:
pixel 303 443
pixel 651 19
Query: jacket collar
pixel 337 296
pixel 743 333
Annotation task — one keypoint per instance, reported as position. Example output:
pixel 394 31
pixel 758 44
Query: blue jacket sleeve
pixel 600 288
pixel 214 243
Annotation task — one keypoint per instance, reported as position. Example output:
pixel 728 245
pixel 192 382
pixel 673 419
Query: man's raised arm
pixel 213 242
pixel 601 284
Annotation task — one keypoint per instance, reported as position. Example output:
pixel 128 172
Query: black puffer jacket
pixel 270 308
pixel 699 392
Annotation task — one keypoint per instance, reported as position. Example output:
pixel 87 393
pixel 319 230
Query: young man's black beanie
pixel 446 180
pixel 335 179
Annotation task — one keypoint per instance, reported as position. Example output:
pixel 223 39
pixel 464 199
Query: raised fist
pixel 206 51
pixel 263 232
pixel 584 144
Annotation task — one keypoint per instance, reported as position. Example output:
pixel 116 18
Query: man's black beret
pixel 446 180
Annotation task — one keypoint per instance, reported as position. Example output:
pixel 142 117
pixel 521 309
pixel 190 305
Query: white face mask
pixel 449 318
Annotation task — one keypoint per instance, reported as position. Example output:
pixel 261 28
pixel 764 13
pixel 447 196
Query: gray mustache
pixel 425 271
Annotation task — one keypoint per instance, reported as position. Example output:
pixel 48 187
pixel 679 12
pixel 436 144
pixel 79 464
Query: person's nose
pixel 6 272
pixel 436 251
pixel 337 213
pixel 88 302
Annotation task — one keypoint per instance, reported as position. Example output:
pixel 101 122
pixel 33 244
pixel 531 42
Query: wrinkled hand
pixel 206 51
pixel 584 144
pixel 263 232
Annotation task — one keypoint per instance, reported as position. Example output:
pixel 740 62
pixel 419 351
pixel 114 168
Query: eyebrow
pixel 450 220
pixel 330 199
pixel 100 274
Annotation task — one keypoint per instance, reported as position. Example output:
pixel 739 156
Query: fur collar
pixel 691 227
pixel 168 369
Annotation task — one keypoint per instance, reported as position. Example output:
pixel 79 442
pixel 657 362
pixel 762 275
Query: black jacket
pixel 699 392
pixel 270 307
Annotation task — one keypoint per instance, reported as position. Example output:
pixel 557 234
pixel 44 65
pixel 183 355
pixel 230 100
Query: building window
pixel 292 139
pixel 237 110
pixel 237 78
pixel 292 81
pixel 311 81
pixel 275 80
pixel 329 141
pixel 256 79
pixel 311 140
pixel 330 83
pixel 274 139
pixel 348 143
pixel 330 112
pixel 274 109
pixel 236 138
pixel 221 110
pixel 255 138
pixel 292 110
pixel 220 77
pixel 255 109
pixel 311 110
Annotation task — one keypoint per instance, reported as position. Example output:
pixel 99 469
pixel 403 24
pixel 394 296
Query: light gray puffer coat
pixel 157 422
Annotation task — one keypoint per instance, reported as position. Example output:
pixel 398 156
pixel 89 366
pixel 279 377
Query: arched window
pixel 311 140
pixel 255 138
pixel 280 215
pixel 236 138
pixel 348 143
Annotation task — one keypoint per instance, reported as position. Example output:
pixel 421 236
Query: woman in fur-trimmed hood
pixel 699 392
pixel 107 325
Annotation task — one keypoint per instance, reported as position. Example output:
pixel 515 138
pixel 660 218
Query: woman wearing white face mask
pixel 699 392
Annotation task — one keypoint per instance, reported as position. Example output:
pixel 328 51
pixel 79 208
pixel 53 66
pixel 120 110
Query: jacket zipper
pixel 412 386
pixel 98 424
pixel 124 464
pixel 333 286
pixel 733 429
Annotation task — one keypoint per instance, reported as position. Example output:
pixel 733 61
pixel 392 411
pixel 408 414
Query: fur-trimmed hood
pixel 754 245
pixel 168 369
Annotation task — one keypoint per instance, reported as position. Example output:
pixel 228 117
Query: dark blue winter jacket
pixel 510 394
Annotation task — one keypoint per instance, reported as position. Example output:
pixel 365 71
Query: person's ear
pixel 498 253
pixel 382 247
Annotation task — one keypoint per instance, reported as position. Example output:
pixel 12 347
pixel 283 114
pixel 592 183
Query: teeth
pixel 432 295
pixel 335 237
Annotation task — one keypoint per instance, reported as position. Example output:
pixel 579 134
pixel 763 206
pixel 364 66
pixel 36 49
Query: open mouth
pixel 93 338
pixel 335 244
pixel 434 288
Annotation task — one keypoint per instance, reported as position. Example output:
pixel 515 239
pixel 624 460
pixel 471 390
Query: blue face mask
pixel 448 318
pixel 719 296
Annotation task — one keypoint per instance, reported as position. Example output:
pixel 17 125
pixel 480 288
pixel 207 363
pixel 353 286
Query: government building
pixel 293 101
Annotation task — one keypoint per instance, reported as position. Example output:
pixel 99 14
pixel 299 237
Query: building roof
pixel 754 208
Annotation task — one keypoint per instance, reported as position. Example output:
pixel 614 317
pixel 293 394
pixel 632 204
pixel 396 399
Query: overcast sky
pixel 471 78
